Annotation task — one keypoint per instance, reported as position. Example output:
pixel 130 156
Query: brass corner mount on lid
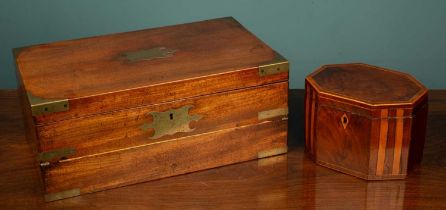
pixel 41 106
pixel 278 65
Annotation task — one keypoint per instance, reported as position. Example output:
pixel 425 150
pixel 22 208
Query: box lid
pixel 88 76
pixel 368 85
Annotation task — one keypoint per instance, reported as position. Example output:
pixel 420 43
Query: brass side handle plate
pixel 170 122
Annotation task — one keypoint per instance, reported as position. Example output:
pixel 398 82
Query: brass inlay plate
pixel 61 195
pixel 278 65
pixel 272 113
pixel 41 106
pixel 56 155
pixel 272 152
pixel 171 121
pixel 148 54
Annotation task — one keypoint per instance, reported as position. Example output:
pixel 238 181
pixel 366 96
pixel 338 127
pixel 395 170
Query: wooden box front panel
pixel 93 173
pixel 122 129
pixel 343 140
pixel 375 144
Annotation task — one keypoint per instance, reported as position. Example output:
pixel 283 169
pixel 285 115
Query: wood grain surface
pixel 159 160
pixel 290 181
pixel 122 129
pixel 370 84
pixel 210 56
pixel 94 65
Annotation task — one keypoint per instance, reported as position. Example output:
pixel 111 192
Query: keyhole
pixel 344 121
pixel 171 116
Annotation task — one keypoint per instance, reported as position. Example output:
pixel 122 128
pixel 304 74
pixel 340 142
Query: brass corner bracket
pixel 41 106
pixel 272 152
pixel 62 195
pixel 55 155
pixel 278 65
pixel 268 114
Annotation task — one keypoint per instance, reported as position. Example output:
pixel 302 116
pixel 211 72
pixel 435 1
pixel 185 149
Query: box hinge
pixel 272 152
pixel 277 65
pixel 52 156
pixel 62 195
pixel 41 106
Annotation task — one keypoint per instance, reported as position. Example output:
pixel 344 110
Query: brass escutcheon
pixel 170 122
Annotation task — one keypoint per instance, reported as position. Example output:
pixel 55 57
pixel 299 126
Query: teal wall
pixel 404 35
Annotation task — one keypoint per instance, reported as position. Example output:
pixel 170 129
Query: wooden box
pixel 364 120
pixel 119 109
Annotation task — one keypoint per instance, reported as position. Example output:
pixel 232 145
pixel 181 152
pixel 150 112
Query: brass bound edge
pixel 277 65
pixel 62 195
pixel 41 106
pixel 272 152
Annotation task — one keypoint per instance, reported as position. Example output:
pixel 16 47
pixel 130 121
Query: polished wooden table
pixel 290 181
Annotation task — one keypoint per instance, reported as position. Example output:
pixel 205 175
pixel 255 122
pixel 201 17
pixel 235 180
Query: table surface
pixel 290 181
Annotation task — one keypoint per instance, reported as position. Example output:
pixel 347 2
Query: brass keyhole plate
pixel 170 122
